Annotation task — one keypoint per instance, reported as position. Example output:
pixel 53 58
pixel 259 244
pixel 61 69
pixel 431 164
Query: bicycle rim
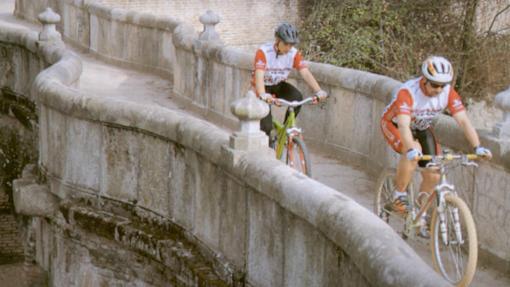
pixel 298 156
pixel 384 193
pixel 455 261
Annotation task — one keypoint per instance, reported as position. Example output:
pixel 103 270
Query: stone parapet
pixel 179 171
pixel 210 76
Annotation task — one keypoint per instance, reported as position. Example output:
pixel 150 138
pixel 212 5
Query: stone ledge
pixel 33 199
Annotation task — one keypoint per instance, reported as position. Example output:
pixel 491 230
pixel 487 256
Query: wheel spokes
pixel 453 261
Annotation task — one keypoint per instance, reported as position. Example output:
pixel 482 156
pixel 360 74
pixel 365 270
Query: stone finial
pixel 49 19
pixel 502 129
pixel 249 110
pixel 209 20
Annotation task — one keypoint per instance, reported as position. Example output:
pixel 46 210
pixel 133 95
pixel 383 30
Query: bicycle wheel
pixel 455 260
pixel 298 157
pixel 384 193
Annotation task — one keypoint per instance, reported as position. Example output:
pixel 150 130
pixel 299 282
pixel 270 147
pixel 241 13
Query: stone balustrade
pixel 177 170
pixel 209 76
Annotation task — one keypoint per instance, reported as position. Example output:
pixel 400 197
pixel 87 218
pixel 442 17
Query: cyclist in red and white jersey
pixel 406 125
pixel 273 63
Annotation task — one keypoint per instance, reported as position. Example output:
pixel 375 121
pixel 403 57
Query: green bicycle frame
pixel 281 131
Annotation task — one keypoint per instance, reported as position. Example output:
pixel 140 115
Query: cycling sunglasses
pixel 436 86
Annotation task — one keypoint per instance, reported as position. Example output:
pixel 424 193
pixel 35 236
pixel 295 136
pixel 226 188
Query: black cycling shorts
pixel 428 142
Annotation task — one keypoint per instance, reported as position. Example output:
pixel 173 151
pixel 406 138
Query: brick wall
pixel 11 249
pixel 243 22
pixel 4 200
pixel 10 244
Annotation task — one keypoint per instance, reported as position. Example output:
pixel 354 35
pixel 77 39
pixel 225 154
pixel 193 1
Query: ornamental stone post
pixel 209 20
pixel 249 110
pixel 502 129
pixel 249 138
pixel 49 19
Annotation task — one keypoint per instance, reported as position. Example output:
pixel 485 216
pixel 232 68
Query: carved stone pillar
pixel 249 110
pixel 49 19
pixel 209 20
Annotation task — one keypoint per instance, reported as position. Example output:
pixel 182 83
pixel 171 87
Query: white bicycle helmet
pixel 437 69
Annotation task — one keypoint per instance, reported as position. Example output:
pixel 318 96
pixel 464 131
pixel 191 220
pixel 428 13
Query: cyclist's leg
pixel 430 178
pixel 266 123
pixel 431 147
pixel 405 167
pixel 288 92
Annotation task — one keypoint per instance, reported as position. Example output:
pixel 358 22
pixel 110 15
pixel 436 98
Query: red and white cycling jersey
pixel 411 100
pixel 276 67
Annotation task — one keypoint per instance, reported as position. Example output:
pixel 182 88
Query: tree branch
pixel 495 17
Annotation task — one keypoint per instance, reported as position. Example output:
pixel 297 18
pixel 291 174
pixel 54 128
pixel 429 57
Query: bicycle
pixel 289 139
pixel 453 239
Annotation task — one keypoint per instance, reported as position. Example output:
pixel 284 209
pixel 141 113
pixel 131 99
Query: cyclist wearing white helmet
pixel 272 65
pixel 406 125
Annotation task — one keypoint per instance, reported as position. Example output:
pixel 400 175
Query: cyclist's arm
pixel 309 79
pixel 404 127
pixel 259 82
pixel 469 131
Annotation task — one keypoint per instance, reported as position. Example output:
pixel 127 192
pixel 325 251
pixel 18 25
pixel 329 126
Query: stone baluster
pixel 49 19
pixel 502 129
pixel 249 110
pixel 209 20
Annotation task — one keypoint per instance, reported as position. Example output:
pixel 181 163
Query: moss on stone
pixel 18 136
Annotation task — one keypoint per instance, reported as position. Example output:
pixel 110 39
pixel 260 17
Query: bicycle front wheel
pixel 454 248
pixel 298 156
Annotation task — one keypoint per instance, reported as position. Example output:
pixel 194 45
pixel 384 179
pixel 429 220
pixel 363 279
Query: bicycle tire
pixel 303 164
pixel 468 231
pixel 383 192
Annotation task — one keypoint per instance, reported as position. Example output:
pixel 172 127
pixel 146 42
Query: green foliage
pixel 392 37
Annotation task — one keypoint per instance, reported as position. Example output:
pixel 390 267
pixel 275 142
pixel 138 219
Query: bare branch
pixel 495 17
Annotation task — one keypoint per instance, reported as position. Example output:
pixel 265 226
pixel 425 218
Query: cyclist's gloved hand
pixel 413 154
pixel 319 96
pixel 483 152
pixel 268 98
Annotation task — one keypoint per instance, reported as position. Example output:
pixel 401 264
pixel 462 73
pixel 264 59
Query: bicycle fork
pixel 443 189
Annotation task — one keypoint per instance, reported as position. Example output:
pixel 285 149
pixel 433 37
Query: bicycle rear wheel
pixel 298 156
pixel 456 259
pixel 384 193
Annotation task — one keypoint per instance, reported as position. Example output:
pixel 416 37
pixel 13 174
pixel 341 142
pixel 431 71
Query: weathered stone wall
pixel 17 142
pixel 243 22
pixel 166 165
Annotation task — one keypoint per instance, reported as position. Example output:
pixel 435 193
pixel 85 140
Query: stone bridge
pixel 144 178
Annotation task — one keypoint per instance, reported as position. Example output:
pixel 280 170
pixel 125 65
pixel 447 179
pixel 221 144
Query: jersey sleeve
pixel 299 62
pixel 403 103
pixel 260 62
pixel 454 102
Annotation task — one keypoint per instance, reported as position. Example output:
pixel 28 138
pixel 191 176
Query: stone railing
pixel 275 225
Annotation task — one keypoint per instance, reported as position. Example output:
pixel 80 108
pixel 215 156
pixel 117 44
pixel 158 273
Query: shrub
pixel 392 37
